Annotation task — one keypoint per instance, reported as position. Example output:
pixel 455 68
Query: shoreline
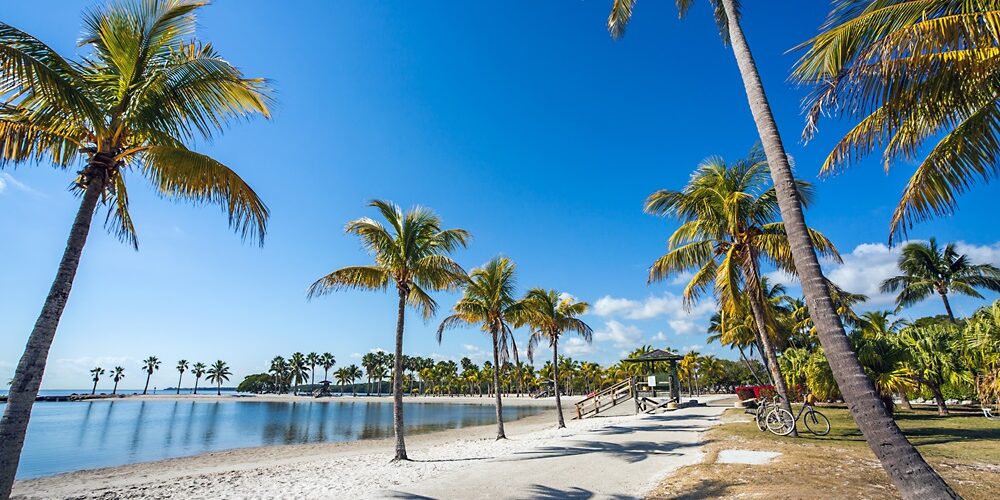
pixel 362 469
pixel 290 398
pixel 138 479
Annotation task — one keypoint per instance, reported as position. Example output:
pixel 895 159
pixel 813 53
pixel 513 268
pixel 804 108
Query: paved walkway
pixel 620 461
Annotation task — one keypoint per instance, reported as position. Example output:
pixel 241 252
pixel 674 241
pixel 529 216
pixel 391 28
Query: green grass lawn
pixel 964 447
pixel 964 435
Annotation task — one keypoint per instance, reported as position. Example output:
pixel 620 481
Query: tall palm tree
pixel 550 315
pixel 410 254
pixel 327 360
pixel 182 366
pixel 342 375
pixel 146 89
pixel 312 359
pixel 299 369
pixel 218 373
pixel 928 270
pixel 96 374
pixel 488 300
pixel 907 469
pixel 117 375
pixel 911 72
pixel 198 370
pixel 150 364
pixel 379 372
pixel 932 359
pixel 369 361
pixel 279 373
pixel 729 223
pixel 354 373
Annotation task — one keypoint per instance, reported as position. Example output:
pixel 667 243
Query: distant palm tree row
pixel 217 373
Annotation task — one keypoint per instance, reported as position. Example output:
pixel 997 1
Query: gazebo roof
pixel 654 355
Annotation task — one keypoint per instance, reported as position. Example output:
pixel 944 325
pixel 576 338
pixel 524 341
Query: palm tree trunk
pixel 196 385
pixel 906 467
pixel 115 390
pixel 757 307
pixel 496 382
pixel 947 305
pixel 218 390
pixel 94 390
pixel 903 400
pixel 28 375
pixel 179 378
pixel 397 387
pixel 939 399
pixel 555 380
pixel 146 388
pixel 749 365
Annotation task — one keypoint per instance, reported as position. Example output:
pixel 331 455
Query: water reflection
pixel 108 433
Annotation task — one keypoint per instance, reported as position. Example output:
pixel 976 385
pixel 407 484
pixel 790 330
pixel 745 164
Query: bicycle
pixel 781 422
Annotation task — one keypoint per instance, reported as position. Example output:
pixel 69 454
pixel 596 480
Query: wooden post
pixel 635 393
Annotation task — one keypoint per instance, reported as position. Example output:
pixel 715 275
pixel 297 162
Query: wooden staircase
pixel 604 399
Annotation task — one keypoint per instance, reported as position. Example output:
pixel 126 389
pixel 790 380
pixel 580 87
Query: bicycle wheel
pixel 780 422
pixel 760 418
pixel 817 423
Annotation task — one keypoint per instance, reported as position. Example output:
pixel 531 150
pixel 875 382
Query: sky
pixel 530 128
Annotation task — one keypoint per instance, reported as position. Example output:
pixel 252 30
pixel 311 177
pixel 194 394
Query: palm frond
pixel 181 173
pixel 354 277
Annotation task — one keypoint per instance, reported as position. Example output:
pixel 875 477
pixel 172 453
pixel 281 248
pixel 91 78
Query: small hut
pixel 660 371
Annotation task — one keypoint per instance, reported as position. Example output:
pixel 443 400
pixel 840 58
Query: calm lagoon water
pixel 69 436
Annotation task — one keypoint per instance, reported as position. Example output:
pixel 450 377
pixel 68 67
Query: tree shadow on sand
pixel 631 452
pixel 539 491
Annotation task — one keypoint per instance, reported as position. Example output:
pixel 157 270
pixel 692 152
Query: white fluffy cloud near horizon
pixel 865 267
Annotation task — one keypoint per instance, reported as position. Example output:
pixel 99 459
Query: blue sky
pixel 531 128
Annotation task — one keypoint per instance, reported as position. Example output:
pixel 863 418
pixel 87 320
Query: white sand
pixel 750 457
pixel 362 469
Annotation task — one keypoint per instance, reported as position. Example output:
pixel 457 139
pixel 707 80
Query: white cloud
pixel 620 334
pixel 684 326
pixel 610 306
pixel 660 337
pixel 692 347
pixel 475 353
pixel 7 180
pixel 575 346
pixel 668 304
pixel 869 264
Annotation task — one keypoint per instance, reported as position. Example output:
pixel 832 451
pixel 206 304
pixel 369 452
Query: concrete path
pixel 623 460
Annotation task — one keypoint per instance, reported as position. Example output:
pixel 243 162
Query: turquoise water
pixel 69 436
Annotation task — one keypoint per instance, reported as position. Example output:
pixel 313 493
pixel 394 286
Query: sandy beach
pixel 362 468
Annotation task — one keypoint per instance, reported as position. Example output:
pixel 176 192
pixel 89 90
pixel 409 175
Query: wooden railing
pixel 604 399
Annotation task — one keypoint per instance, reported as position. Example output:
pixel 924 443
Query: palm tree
pixel 117 375
pixel 907 469
pixel 312 359
pixel 410 254
pixel 96 373
pixel 369 361
pixel 932 360
pixel 686 368
pixel 910 72
pixel 279 372
pixel 488 300
pixel 327 360
pixel 928 270
pixel 549 315
pixel 354 373
pixel 150 364
pixel 728 217
pixel 146 89
pixel 379 372
pixel 879 351
pixel 299 369
pixel 342 375
pixel 198 370
pixel 218 373
pixel 182 366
